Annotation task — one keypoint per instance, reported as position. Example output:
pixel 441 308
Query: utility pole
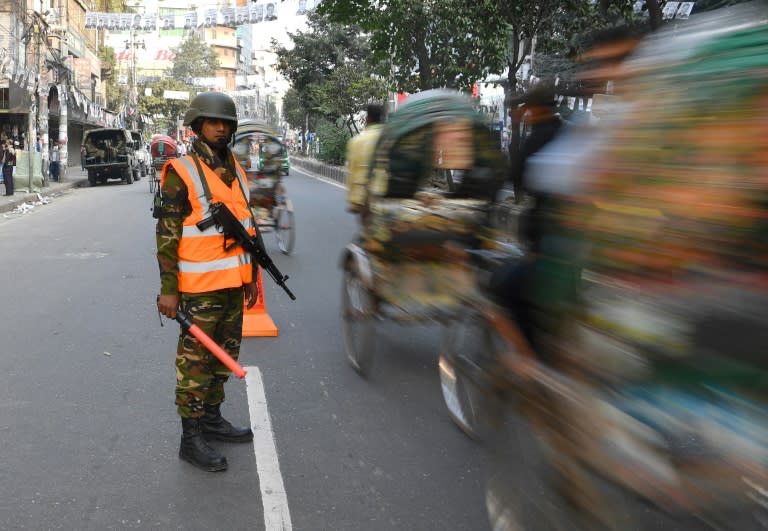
pixel 133 99
pixel 32 27
pixel 34 30
pixel 63 90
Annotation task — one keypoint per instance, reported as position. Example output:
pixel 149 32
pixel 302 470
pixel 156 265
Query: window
pixel 4 97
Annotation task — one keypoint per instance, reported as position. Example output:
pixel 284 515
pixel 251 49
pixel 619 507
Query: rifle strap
pixel 208 196
pixel 201 173
pixel 248 206
pixel 206 189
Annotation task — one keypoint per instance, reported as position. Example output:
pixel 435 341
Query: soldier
pixel 198 274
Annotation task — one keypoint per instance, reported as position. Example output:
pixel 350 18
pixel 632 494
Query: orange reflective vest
pixel 204 264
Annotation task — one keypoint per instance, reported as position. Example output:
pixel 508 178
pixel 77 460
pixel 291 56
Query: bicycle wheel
pixel 152 181
pixel 466 368
pixel 358 321
pixel 285 230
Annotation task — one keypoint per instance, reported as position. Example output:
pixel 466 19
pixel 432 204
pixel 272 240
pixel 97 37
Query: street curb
pixel 16 200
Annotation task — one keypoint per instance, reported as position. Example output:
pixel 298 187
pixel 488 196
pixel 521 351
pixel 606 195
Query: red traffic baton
pixel 186 323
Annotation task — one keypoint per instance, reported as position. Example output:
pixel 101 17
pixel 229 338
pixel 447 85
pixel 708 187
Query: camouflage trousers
pixel 200 376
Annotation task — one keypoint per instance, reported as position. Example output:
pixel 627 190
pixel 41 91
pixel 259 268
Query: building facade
pixel 50 78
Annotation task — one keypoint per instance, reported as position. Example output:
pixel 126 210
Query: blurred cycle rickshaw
pixel 434 175
pixel 264 158
pixel 645 399
pixel 161 149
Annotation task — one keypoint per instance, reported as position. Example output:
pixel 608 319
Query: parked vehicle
pixel 142 153
pixel 110 154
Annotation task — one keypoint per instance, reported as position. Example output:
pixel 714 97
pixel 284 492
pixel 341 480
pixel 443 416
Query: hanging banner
pixel 178 18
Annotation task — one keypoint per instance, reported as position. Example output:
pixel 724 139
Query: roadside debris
pixel 25 207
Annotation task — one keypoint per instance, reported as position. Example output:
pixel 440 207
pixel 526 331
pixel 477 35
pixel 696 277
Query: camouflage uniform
pixel 200 376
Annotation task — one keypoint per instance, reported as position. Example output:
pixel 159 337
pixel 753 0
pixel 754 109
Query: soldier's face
pixel 216 132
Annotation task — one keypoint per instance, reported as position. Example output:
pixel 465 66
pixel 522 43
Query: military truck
pixel 110 154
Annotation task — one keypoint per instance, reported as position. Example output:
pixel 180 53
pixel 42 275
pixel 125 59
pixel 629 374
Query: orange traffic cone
pixel 256 321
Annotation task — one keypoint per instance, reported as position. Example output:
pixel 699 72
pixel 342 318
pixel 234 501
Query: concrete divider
pixel 332 173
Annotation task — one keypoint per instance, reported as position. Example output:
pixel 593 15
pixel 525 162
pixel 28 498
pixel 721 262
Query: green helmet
pixel 211 105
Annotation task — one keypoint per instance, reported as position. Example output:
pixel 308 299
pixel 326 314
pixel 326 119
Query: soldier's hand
pixel 251 294
pixel 167 305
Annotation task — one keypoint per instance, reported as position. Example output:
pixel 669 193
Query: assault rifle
pixel 234 231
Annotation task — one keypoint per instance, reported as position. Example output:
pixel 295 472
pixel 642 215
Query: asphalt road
pixel 88 427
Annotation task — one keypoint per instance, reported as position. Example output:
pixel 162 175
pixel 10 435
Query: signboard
pixel 75 44
pixel 176 94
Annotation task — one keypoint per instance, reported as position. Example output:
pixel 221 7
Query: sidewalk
pixel 74 179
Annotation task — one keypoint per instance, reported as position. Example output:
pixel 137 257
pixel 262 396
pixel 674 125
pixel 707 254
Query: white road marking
pixel 277 516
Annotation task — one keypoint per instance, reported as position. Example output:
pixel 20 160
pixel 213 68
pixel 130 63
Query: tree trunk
pixel 350 123
pixel 654 13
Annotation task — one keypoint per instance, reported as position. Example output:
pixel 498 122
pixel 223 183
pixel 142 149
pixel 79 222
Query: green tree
pixel 293 111
pixel 424 44
pixel 164 111
pixel 323 60
pixel 345 93
pixel 333 142
pixel 116 94
pixel 194 58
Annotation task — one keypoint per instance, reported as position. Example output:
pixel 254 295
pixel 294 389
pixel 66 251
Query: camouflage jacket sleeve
pixel 175 208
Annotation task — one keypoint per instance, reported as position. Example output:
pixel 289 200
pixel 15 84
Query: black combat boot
pixel 195 450
pixel 214 426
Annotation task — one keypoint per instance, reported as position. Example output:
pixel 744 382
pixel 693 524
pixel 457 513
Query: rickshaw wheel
pixel 153 180
pixel 285 230
pixel 358 321
pixel 465 363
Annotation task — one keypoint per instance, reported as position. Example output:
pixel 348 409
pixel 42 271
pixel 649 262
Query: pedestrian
pixel 9 166
pixel 359 154
pixel 82 157
pixel 54 167
pixel 200 276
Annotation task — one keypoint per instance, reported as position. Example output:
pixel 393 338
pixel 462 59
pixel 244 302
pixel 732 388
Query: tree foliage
pixel 293 111
pixel 317 52
pixel 164 111
pixel 329 75
pixel 333 142
pixel 424 44
pixel 194 58
pixel 345 93
pixel 116 94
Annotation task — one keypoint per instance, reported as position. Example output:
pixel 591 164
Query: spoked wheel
pixel 285 230
pixel 466 362
pixel 153 181
pixel 358 319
